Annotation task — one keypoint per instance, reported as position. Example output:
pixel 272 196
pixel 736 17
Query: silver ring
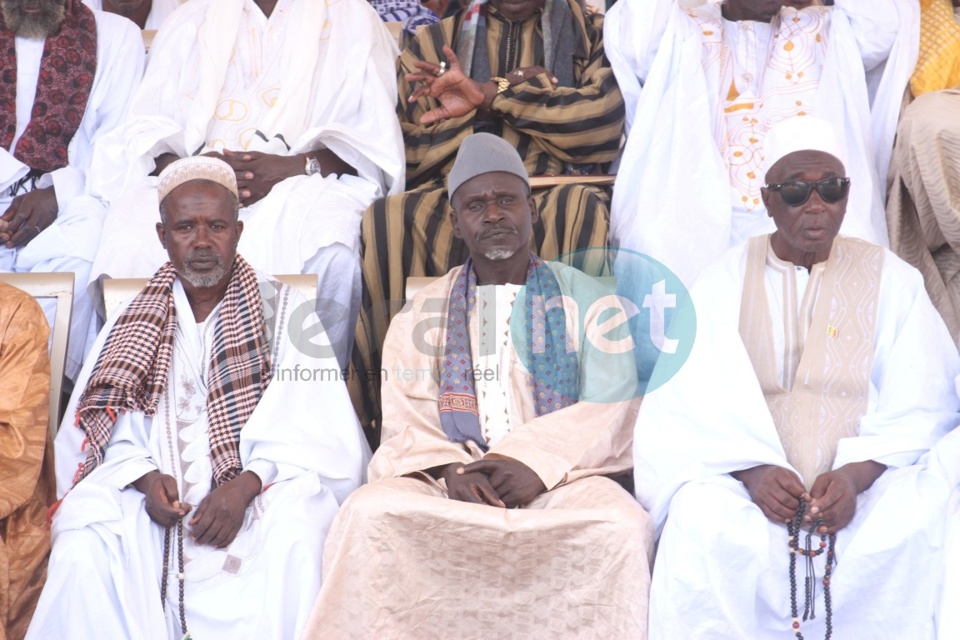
pixel 443 69
pixel 518 73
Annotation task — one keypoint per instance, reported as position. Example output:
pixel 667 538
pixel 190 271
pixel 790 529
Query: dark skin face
pixel 267 6
pixel 200 227
pixel 759 10
pixel 200 233
pixel 136 10
pixel 805 233
pixel 517 10
pixel 756 10
pixel 493 214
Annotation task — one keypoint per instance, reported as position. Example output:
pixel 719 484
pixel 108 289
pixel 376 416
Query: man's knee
pixel 372 501
pixel 708 502
pixel 79 552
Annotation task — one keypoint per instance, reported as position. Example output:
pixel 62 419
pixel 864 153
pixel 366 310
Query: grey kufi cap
pixel 484 153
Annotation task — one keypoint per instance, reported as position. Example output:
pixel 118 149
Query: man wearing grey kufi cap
pixel 192 403
pixel 483 153
pixel 818 425
pixel 507 414
pixel 532 72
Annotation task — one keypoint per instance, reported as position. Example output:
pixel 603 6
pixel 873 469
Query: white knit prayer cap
pixel 799 133
pixel 196 168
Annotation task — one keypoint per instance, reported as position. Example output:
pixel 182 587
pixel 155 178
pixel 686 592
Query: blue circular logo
pixel 619 316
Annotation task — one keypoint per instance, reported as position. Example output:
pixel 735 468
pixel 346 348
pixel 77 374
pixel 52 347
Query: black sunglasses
pixel 796 192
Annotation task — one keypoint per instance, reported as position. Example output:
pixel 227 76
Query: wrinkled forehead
pixel 491 183
pixel 806 165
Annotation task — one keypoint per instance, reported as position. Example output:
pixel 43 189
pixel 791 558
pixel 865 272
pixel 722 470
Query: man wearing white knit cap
pixel 196 485
pixel 299 97
pixel 704 81
pixel 800 411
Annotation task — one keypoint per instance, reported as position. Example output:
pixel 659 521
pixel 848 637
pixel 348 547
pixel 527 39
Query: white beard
pixel 30 26
pixel 499 254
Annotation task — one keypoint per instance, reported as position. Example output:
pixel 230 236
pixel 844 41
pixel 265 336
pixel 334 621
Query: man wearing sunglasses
pixel 704 81
pixel 820 375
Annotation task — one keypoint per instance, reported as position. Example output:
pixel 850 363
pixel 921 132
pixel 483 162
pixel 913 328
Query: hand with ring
pixel 27 216
pixel 458 94
pixel 526 73
pixel 446 83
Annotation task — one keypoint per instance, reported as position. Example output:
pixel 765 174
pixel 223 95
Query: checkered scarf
pixel 548 354
pixel 134 365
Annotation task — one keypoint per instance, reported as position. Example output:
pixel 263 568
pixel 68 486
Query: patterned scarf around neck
pixel 67 69
pixel 559 41
pixel 131 373
pixel 549 357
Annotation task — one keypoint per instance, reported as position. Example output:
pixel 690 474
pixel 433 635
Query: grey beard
pixel 499 254
pixel 204 280
pixel 33 26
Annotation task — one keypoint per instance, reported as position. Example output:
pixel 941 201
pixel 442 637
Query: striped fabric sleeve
pixel 433 147
pixel 574 124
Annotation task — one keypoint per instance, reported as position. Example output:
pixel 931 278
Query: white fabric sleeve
pixel 632 31
pixel 875 24
pixel 67 183
pixel 307 426
pixel 265 470
pixel 128 452
pixel 914 368
pixel 120 64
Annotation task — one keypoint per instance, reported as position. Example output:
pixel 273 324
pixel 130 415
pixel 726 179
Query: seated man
pixel 146 14
pixel 203 480
pixel 704 81
pixel 26 459
pixel 923 211
pixel 489 513
pixel 533 73
pixel 68 76
pixel 297 96
pixel 798 419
